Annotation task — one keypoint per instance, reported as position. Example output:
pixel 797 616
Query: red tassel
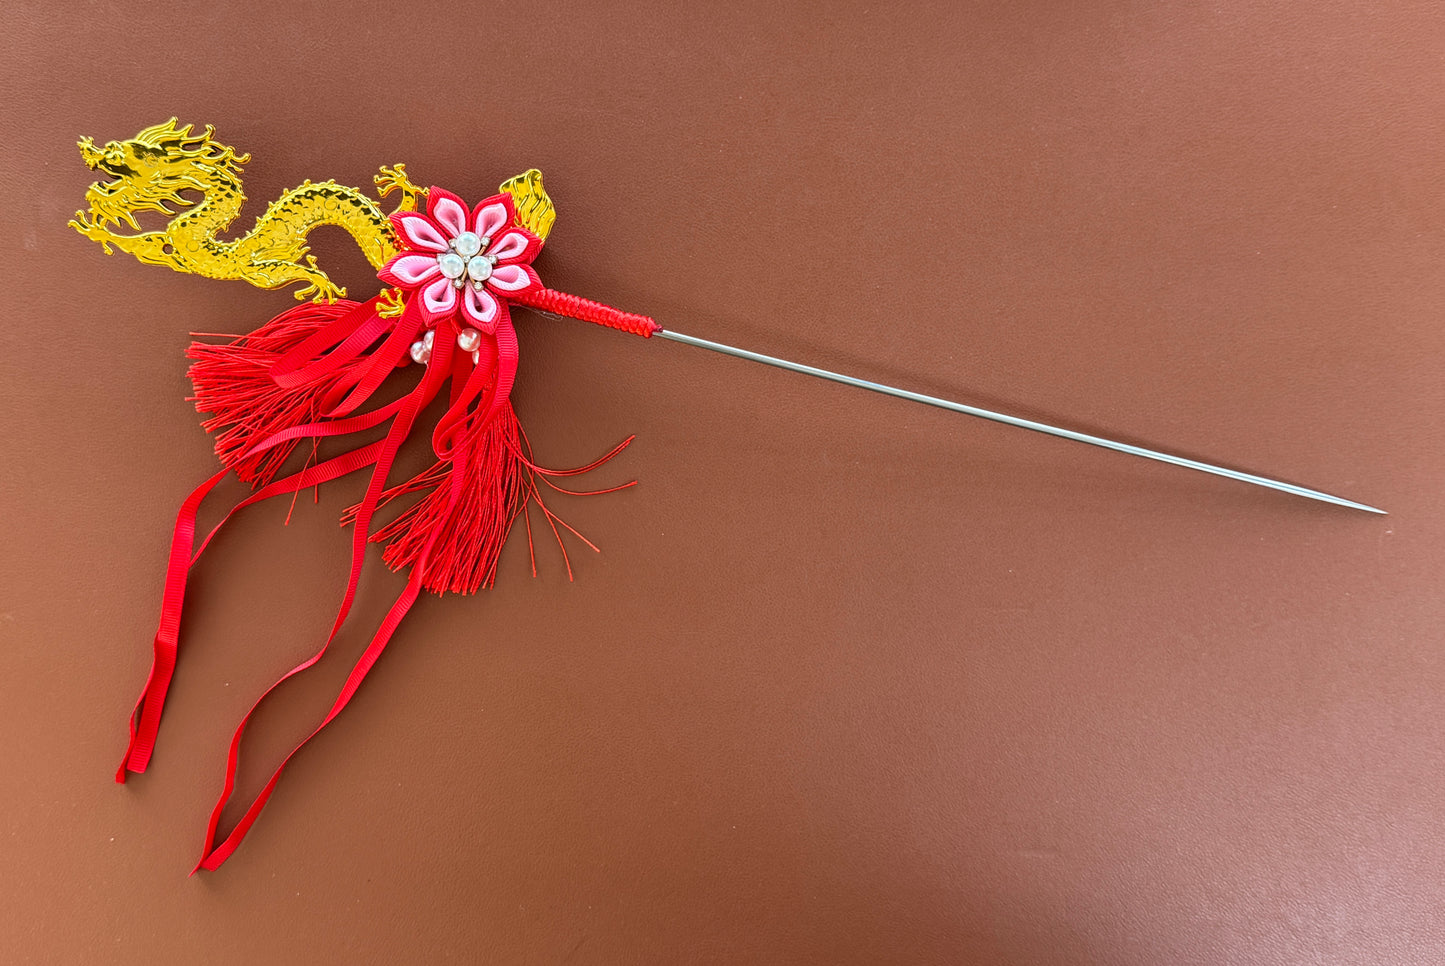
pixel 499 482
pixel 234 384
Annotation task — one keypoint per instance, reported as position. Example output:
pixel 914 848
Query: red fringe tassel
pixel 234 384
pixel 499 482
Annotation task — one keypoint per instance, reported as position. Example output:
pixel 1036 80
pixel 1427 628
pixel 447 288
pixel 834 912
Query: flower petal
pixel 419 232
pixel 513 279
pixel 409 271
pixel 481 308
pixel 447 210
pixel 515 245
pixel 439 299
pixel 493 214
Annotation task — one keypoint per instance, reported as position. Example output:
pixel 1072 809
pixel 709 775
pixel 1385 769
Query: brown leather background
pixel 852 681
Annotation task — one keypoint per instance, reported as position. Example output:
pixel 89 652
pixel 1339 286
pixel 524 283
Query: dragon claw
pixel 320 292
pixel 391 178
pixel 394 178
pixel 84 223
pixel 319 288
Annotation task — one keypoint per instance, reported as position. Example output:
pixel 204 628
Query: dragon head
pixel 149 171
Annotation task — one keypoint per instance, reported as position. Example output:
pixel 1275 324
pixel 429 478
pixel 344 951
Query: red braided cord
pixel 576 307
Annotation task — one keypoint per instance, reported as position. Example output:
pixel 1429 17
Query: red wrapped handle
pixel 576 307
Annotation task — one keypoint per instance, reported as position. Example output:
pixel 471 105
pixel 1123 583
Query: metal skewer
pixel 1014 420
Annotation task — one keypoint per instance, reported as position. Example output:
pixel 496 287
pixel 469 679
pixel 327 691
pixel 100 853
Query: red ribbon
pixel 213 855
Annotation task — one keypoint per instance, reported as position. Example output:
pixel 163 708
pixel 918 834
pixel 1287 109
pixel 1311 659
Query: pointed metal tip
pixel 1323 497
pixel 1008 420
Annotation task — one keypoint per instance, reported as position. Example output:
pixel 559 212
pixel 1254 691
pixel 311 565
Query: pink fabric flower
pixel 463 264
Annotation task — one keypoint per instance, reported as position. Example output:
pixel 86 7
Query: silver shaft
pixel 1014 421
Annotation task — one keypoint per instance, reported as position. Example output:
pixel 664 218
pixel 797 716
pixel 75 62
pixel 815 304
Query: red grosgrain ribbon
pixel 308 373
pixel 146 719
pixel 213 855
pixel 347 337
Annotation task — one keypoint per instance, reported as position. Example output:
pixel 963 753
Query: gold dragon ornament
pixel 156 169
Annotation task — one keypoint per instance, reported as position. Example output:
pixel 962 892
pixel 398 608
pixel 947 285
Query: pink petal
pixel 513 278
pixel 515 244
pixel 481 308
pixel 447 210
pixel 439 299
pixel 409 271
pixel 419 231
pixel 492 217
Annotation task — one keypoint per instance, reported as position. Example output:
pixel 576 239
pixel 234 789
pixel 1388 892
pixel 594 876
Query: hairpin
pixel 441 325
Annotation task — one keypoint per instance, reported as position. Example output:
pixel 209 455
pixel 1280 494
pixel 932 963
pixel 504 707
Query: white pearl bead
pixel 479 268
pixel 476 356
pixel 468 340
pixel 467 244
pixel 451 265
pixel 430 338
pixel 420 353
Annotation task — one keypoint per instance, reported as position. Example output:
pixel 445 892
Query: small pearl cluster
pixel 468 340
pixel 463 261
pixel 421 348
